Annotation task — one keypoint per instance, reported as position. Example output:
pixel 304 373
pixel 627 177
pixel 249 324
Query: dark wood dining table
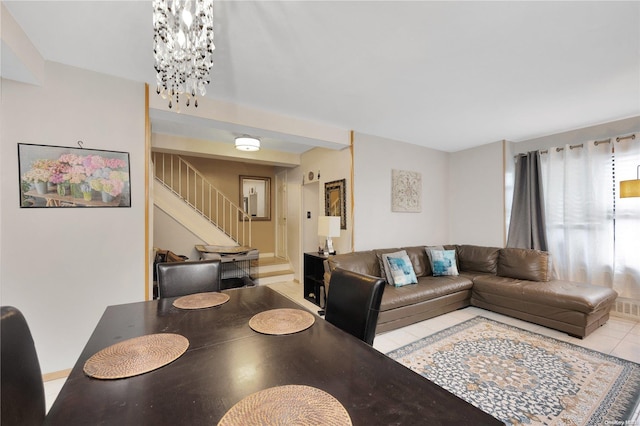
pixel 226 361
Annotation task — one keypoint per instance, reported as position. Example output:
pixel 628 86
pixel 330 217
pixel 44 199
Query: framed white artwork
pixel 406 191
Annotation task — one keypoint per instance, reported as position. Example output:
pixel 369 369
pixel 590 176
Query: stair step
pixel 266 274
pixel 274 279
pixel 273 268
pixel 272 260
pixel 272 264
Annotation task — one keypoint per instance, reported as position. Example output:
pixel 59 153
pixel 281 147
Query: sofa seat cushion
pixel 522 294
pixel 427 288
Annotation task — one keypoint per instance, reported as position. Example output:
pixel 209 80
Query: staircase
pixel 187 183
pixel 184 193
pixel 273 269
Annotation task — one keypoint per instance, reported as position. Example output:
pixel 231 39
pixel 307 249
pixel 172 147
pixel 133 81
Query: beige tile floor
pixel 618 337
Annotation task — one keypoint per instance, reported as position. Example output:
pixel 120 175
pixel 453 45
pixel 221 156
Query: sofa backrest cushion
pixel 418 257
pixel 363 262
pixel 478 258
pixel 524 264
pixel 379 253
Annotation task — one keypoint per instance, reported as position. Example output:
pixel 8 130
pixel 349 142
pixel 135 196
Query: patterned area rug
pixel 522 377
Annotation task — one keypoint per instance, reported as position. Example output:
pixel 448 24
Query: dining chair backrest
pixel 353 303
pixel 183 278
pixel 21 386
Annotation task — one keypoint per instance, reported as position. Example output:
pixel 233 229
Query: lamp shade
pixel 246 143
pixel 630 188
pixel 329 226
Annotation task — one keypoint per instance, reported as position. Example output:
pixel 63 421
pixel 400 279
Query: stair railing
pixel 185 181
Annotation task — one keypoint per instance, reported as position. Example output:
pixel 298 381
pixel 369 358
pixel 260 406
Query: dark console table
pixel 313 271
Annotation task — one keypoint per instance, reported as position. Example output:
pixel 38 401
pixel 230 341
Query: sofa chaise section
pixel 575 308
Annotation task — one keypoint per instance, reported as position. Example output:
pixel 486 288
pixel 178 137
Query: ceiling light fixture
pixel 183 48
pixel 247 143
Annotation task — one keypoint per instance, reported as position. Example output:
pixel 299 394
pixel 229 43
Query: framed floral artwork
pixel 58 176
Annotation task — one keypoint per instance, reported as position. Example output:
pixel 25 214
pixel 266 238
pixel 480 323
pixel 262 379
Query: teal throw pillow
pixel 443 262
pixel 398 266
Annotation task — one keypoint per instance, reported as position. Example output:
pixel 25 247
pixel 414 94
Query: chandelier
pixel 183 48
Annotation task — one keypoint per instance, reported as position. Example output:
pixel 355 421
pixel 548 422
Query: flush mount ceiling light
pixel 183 48
pixel 247 143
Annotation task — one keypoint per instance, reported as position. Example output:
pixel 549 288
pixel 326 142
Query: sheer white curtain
pixel 578 182
pixel 627 224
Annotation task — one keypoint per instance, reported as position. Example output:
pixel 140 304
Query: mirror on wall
pixel 255 197
pixel 335 201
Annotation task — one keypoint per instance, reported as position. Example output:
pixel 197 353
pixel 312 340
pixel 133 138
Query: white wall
pixel 294 220
pixel 591 133
pixel 476 204
pixel 332 165
pixel 573 137
pixel 169 234
pixel 311 210
pixel 376 226
pixel 62 267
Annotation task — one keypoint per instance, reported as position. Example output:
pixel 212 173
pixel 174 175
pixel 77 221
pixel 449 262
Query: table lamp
pixel 329 226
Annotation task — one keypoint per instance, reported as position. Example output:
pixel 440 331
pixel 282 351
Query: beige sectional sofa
pixel 514 282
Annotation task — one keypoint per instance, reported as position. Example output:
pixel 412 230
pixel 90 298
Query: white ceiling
pixel 446 75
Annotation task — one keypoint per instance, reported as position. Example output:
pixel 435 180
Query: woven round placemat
pixel 288 405
pixel 281 321
pixel 201 300
pixel 136 356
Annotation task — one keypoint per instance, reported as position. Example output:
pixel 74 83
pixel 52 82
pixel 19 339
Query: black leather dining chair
pixel 21 386
pixel 353 303
pixel 183 278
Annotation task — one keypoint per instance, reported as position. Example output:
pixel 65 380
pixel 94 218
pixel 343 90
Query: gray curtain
pixel 527 226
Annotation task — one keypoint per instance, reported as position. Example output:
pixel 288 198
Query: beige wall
pixel 225 175
pixel 332 165
pixel 62 267
pixel 294 220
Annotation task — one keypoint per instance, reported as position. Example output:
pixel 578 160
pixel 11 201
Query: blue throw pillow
pixel 443 262
pixel 400 269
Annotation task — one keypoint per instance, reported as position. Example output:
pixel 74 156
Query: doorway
pixel 281 214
